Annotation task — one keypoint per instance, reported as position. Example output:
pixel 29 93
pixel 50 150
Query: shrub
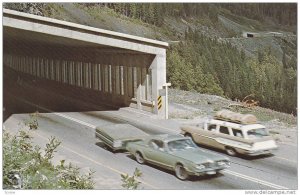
pixel 130 182
pixel 26 166
pixel 32 122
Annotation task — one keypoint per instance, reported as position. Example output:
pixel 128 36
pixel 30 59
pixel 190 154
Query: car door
pixel 207 137
pixel 157 153
pixel 224 137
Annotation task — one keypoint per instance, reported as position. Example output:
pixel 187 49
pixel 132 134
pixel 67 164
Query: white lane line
pixel 281 158
pixel 159 127
pixel 262 182
pixel 96 162
pixel 75 120
pixel 128 109
pixel 59 114
pixel 284 143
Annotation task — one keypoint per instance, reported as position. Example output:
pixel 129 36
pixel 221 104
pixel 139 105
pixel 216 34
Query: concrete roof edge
pixel 94 29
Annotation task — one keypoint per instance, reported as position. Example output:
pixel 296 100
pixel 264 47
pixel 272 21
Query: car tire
pixel 139 158
pixel 180 172
pixel 230 151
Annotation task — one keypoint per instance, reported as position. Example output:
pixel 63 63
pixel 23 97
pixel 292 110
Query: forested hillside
pixel 279 13
pixel 203 54
pixel 208 66
pixel 283 14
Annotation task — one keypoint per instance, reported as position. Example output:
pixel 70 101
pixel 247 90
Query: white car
pixel 233 137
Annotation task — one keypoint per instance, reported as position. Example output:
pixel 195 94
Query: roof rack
pixel 227 115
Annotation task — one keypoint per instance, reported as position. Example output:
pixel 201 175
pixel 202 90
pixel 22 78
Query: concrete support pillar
pixel 99 77
pixel 158 69
pixel 105 78
pixel 110 79
pixel 90 75
pixel 148 90
pixel 113 79
pixel 122 76
pixel 130 82
pixel 125 81
pixel 102 78
pixel 143 84
pixel 139 87
pixel 117 80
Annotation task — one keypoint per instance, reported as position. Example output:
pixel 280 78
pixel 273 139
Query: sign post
pixel 166 100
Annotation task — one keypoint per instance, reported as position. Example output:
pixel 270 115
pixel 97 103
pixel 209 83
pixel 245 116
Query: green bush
pixel 26 166
pixel 32 122
pixel 130 182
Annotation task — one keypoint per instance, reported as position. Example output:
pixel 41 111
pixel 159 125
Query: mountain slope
pixel 174 28
pixel 208 52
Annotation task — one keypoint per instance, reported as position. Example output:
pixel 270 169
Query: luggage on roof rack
pixel 227 115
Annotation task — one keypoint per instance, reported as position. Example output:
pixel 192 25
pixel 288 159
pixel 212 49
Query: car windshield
pixel 181 144
pixel 257 133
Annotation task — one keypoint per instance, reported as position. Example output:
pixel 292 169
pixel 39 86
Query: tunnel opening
pixel 76 77
pixel 53 65
pixel 65 86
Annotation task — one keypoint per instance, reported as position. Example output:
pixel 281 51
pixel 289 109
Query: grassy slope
pixel 107 19
pixel 174 28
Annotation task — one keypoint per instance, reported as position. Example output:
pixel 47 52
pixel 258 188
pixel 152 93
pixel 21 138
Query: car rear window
pixel 212 127
pixel 237 133
pixel 224 130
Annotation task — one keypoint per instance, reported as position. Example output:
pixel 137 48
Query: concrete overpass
pixel 119 69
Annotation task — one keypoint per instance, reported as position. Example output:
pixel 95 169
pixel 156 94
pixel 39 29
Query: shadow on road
pixel 27 94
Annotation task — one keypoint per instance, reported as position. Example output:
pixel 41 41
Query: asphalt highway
pixel 81 148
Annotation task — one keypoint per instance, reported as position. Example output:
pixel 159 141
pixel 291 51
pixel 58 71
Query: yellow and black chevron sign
pixel 159 102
